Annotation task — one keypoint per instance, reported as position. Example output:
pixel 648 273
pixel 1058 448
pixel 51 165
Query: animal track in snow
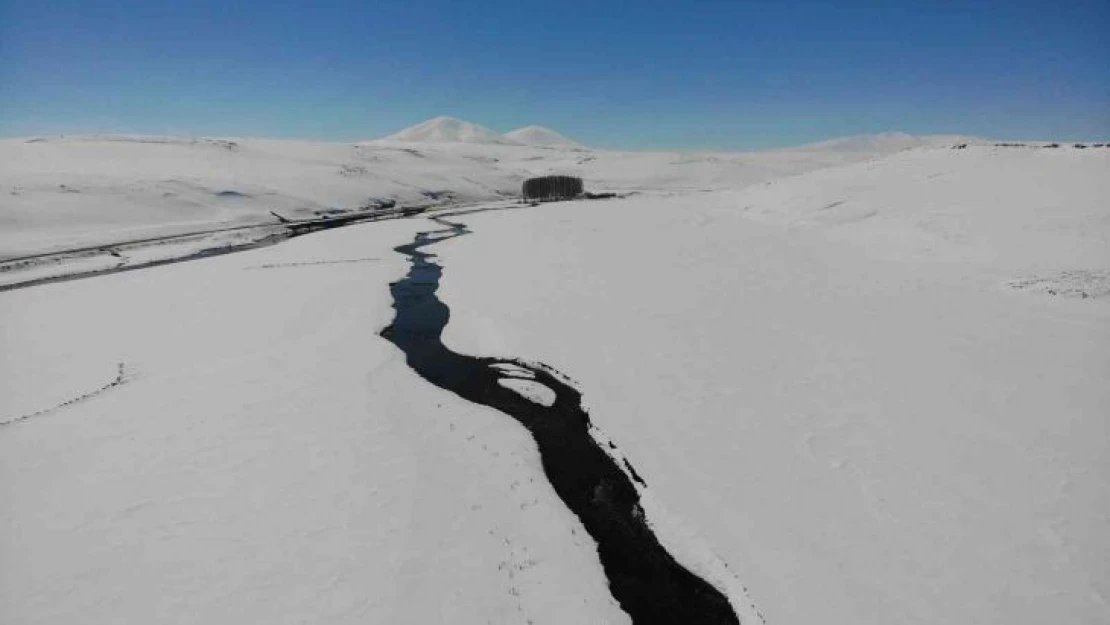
pixel 121 377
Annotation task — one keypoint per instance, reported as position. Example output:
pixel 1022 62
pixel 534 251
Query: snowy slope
pixel 446 129
pixel 540 135
pixel 863 435
pixel 61 192
pixel 991 206
pixel 266 459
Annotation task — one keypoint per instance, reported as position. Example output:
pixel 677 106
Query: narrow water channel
pixel 643 577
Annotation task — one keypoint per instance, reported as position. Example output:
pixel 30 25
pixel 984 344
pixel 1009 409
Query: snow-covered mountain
pixel 445 129
pixel 541 135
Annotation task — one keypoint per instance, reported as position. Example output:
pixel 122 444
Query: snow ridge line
pixel 121 378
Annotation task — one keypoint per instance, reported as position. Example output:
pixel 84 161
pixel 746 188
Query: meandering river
pixel 648 583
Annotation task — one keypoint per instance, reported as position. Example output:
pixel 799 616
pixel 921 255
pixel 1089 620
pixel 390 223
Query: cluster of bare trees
pixel 552 187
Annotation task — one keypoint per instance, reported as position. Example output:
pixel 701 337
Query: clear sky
pixel 692 73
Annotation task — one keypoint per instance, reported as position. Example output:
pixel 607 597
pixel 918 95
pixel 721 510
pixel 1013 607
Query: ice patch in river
pixel 511 370
pixel 532 391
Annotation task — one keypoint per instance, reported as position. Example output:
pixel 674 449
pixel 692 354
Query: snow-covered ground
pixel 851 404
pixel 871 384
pixel 267 458
pixel 63 192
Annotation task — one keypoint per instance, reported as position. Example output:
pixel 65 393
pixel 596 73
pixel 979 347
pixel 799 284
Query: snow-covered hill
pixel 540 135
pixel 887 143
pixel 61 192
pixel 983 205
pixel 446 129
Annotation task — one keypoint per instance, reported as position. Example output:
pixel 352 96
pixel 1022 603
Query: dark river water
pixel 647 582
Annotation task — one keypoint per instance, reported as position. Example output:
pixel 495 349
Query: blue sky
pixel 693 74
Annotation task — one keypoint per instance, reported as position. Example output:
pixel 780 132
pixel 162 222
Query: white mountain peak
pixel 446 129
pixel 540 135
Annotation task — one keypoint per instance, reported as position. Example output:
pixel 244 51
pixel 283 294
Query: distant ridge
pixel 446 129
pixel 540 135
pixel 884 143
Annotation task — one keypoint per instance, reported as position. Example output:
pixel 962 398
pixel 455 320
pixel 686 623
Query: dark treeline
pixel 552 187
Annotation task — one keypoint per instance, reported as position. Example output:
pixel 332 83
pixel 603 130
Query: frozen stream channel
pixel 646 580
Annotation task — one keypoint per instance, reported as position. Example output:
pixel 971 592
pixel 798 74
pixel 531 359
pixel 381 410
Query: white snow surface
pixel 267 459
pixel 866 430
pixel 541 135
pixel 861 388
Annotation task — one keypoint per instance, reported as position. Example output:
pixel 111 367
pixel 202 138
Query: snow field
pixel 269 458
pixel 863 436
pixel 863 385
